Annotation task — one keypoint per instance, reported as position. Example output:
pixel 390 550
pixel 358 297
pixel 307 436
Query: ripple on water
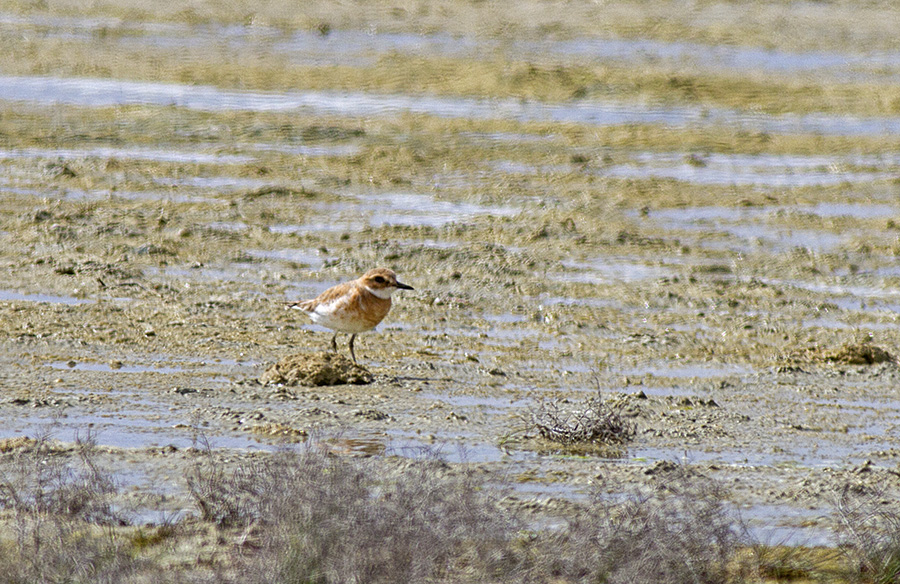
pixel 11 295
pixel 151 154
pixel 387 209
pixel 94 92
pixel 607 270
pixel 305 257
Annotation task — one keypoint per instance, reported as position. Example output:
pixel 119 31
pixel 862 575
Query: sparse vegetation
pixel 319 518
pixel 59 521
pixel 868 530
pixel 677 531
pixel 311 516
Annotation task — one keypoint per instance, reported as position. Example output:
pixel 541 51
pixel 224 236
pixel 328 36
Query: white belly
pixel 340 322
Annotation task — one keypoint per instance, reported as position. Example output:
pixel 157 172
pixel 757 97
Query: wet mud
pixel 724 275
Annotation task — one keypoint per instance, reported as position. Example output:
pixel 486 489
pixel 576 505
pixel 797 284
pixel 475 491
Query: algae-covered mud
pixel 695 215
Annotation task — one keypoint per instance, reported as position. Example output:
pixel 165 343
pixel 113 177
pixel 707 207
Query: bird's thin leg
pixel 352 354
pixel 334 343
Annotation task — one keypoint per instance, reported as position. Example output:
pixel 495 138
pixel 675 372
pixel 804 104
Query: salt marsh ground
pixel 691 207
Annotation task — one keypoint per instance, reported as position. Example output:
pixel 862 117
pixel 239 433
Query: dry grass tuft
pixel 596 422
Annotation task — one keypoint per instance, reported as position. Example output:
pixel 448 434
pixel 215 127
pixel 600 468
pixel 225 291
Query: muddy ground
pixel 728 279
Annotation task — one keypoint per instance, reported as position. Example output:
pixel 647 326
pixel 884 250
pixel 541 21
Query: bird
pixel 353 307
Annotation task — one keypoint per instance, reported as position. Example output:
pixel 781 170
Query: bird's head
pixel 382 282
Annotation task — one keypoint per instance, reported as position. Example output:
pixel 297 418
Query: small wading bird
pixel 353 307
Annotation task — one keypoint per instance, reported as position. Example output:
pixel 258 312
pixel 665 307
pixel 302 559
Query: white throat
pixel 383 293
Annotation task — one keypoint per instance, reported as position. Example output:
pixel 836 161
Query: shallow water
pixel 463 400
pixel 776 526
pixel 364 47
pixel 759 170
pixel 219 183
pixel 78 366
pixel 89 92
pixel 230 272
pixel 855 292
pixel 67 194
pixel 605 270
pixel 306 257
pixel 688 370
pixel 133 430
pixel 765 171
pixel 153 154
pixel 751 229
pixel 689 215
pixel 380 209
pixel 11 295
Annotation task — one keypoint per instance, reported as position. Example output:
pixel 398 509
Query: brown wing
pixel 325 297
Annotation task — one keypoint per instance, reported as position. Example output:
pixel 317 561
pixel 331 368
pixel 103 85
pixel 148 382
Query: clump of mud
pixel 859 354
pixel 316 369
pixel 18 443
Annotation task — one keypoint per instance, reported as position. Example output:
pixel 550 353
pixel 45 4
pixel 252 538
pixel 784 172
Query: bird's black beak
pixel 403 286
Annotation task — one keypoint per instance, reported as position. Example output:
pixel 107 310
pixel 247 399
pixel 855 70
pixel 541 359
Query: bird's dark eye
pixel 379 279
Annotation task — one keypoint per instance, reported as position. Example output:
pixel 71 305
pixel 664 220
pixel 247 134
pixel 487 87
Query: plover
pixel 353 307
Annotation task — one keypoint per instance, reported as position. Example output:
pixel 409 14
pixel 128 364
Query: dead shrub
pixel 868 532
pixel 595 422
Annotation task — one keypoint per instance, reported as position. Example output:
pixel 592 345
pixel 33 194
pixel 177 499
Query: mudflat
pixel 615 208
